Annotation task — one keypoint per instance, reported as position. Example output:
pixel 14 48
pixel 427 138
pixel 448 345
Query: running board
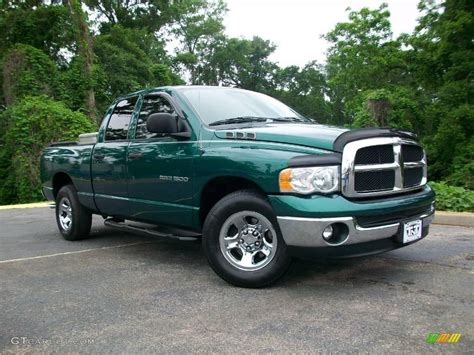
pixel 149 229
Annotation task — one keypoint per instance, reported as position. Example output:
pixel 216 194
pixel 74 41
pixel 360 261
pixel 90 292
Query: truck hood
pixel 310 135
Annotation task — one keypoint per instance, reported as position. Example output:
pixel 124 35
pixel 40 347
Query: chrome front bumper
pixel 307 232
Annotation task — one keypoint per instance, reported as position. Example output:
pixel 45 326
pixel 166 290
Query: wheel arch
pixel 218 187
pixel 59 180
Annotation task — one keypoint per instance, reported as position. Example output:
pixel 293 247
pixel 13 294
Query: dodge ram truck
pixel 258 182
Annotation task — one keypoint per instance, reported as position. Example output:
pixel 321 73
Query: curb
pixel 464 219
pixel 25 205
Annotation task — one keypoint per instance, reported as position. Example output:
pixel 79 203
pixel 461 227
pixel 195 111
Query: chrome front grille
pixel 382 166
pixel 379 154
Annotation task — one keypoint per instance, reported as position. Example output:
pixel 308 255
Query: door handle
pixel 99 156
pixel 135 156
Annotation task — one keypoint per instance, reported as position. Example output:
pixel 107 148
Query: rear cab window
pixel 119 122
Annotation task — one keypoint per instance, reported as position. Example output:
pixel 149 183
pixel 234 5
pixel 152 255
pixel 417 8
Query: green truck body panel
pixel 160 185
pixel 109 176
pixel 165 186
pixel 296 134
pixel 73 162
pixel 338 206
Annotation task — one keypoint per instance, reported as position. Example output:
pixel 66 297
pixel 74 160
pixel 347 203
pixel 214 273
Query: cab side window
pixel 151 104
pixel 117 128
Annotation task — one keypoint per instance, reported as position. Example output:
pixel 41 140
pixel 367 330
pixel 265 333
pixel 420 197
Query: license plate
pixel 412 231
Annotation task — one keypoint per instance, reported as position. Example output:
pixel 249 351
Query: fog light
pixel 336 234
pixel 327 233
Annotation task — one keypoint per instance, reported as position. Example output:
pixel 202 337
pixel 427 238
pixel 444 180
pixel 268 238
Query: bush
pixel 452 198
pixel 30 125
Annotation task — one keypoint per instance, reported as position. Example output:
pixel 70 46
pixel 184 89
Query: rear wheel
pixel 243 242
pixel 73 220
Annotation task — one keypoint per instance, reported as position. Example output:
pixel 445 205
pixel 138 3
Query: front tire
pixel 73 220
pixel 243 242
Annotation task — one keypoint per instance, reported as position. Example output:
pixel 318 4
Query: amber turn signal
pixel 285 181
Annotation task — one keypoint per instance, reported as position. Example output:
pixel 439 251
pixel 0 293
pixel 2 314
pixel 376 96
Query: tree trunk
pixel 379 109
pixel 85 49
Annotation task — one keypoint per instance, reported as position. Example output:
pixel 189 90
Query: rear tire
pixel 73 220
pixel 243 242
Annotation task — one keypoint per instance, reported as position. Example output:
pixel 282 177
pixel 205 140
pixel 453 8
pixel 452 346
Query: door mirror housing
pixel 167 124
pixel 162 123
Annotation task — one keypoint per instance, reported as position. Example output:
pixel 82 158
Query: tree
pixel 197 31
pixel 304 89
pixel 240 62
pixel 363 56
pixel 137 14
pixel 29 71
pixel 442 53
pixel 46 27
pixel 132 59
pixel 393 107
pixel 75 87
pixel 85 52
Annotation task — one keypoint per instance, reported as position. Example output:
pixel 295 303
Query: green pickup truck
pixel 256 181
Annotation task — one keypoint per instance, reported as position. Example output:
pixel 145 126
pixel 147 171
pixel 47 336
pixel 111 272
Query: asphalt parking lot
pixel 118 292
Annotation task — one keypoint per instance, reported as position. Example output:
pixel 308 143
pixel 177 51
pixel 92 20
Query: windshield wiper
pixel 247 119
pixel 242 119
pixel 289 119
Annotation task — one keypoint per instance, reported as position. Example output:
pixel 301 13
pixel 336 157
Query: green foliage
pixel 75 85
pixel 152 15
pixel 28 71
pixel 30 125
pixel 421 81
pixel 446 67
pixel 47 28
pixel 199 32
pixel 452 198
pixel 362 57
pixel 128 58
pixel 425 86
pixel 451 150
pixel 242 63
pixel 462 173
pixel 304 89
pixel 386 108
pixel 162 75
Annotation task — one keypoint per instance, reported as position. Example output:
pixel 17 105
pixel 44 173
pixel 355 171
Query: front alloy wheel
pixel 248 240
pixel 243 242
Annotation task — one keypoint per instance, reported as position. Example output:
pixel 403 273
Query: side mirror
pixel 168 125
pixel 162 123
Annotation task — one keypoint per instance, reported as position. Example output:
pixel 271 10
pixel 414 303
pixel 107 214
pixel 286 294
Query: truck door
pixel 160 170
pixel 109 162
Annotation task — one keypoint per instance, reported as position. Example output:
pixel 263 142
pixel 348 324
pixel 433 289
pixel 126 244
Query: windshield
pixel 218 106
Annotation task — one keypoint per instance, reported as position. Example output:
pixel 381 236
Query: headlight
pixel 321 179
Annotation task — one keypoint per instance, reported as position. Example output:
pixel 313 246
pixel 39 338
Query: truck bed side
pixel 62 162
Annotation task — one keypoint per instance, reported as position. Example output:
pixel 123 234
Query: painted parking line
pixel 74 252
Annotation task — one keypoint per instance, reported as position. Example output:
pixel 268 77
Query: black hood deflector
pixel 364 133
